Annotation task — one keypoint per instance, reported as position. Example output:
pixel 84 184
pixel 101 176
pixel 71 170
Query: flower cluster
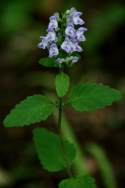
pixel 65 36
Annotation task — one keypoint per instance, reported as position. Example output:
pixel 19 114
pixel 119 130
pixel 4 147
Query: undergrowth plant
pixel 64 41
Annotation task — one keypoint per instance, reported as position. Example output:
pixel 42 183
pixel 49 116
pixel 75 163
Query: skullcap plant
pixel 64 42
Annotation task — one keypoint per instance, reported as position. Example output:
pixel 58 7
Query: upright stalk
pixel 60 114
pixel 60 111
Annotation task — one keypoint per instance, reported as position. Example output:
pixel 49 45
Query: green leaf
pixel 78 182
pixel 92 96
pixel 62 84
pixel 31 110
pixel 48 62
pixel 53 155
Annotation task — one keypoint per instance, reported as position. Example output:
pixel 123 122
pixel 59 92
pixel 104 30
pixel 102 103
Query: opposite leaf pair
pixel 83 98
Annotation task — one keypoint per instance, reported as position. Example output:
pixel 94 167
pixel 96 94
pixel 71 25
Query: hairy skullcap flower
pixel 80 34
pixel 53 24
pixel 65 35
pixel 53 51
pixel 68 46
pixel 70 31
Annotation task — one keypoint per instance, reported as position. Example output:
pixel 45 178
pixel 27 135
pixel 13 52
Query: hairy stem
pixel 61 137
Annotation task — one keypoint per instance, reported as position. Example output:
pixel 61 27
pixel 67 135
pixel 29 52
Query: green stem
pixel 61 137
pixel 60 113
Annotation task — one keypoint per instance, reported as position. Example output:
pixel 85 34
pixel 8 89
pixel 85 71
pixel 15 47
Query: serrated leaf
pixel 52 154
pixel 92 96
pixel 48 62
pixel 62 84
pixel 31 110
pixel 78 182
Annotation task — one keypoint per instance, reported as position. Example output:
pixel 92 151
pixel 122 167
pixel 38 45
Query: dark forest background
pixel 101 134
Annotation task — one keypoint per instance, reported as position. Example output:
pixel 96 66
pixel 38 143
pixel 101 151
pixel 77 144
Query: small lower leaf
pixel 62 84
pixel 50 151
pixel 33 109
pixel 48 62
pixel 78 182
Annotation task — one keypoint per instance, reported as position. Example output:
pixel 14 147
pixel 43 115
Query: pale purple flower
pixel 54 17
pixel 51 36
pixel 68 46
pixel 76 16
pixel 70 31
pixel 80 34
pixel 78 48
pixel 65 46
pixel 53 50
pixel 43 44
pixel 81 38
pixel 53 24
pixel 77 20
pixel 82 29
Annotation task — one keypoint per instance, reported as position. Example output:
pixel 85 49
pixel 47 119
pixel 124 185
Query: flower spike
pixel 65 35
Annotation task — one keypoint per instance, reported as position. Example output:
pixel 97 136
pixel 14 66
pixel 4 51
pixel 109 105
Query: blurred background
pixel 100 134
